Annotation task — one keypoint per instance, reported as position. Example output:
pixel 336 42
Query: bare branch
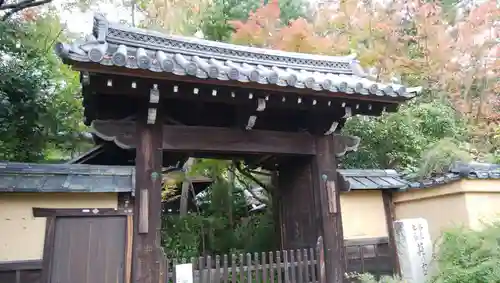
pixel 17 7
pixel 249 189
pixel 244 172
pixel 260 173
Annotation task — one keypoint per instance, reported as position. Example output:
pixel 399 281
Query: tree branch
pixel 244 172
pixel 260 173
pixel 249 189
pixel 17 7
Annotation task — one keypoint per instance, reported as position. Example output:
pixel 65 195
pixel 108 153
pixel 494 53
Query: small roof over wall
pixel 371 179
pixel 459 171
pixel 29 177
pixel 74 178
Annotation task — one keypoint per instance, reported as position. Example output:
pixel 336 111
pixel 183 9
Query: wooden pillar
pixel 147 253
pixel 298 218
pixel 389 218
pixel 327 187
pixel 328 199
pixel 276 202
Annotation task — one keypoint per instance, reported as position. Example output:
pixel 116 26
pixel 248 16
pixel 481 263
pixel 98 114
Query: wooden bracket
pixel 345 144
pixel 151 115
pixel 332 128
pixel 348 112
pixel 143 212
pixel 251 122
pixel 261 106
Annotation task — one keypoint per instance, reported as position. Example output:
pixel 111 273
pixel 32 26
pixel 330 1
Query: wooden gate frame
pixel 51 215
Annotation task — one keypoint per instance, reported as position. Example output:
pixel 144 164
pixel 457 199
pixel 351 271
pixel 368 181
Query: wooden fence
pixel 294 266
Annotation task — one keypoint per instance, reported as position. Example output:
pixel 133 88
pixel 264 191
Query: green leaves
pixel 401 140
pixel 216 24
pixel 467 255
pixel 39 109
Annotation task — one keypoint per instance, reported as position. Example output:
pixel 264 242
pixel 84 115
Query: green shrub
pixel 466 255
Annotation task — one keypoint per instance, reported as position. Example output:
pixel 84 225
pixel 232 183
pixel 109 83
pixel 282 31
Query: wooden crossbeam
pixel 211 139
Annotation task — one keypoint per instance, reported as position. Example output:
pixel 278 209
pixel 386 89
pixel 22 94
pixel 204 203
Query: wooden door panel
pixel 89 250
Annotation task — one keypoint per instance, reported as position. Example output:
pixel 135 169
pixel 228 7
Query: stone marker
pixel 414 249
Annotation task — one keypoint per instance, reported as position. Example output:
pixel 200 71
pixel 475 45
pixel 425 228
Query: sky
pixel 81 22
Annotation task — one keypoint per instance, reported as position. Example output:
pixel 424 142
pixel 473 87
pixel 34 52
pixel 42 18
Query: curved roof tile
pixel 122 46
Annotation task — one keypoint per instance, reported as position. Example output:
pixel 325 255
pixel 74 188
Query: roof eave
pixel 121 46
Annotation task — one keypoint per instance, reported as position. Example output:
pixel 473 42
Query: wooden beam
pixel 146 252
pixel 366 241
pixel 6 266
pixel 82 212
pixel 198 139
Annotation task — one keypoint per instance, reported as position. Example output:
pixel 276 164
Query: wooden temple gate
pixel 172 97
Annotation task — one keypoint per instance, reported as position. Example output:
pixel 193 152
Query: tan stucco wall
pixel 363 214
pixel 466 203
pixel 441 212
pixel 483 201
pixel 22 235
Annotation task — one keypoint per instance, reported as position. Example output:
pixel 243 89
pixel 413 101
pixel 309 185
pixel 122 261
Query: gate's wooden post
pixel 327 193
pixel 147 206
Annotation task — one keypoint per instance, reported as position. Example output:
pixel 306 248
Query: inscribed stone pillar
pixel 414 248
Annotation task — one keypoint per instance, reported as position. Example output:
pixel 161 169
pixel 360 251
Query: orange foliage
pixel 263 28
pixel 446 59
pixel 30 14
